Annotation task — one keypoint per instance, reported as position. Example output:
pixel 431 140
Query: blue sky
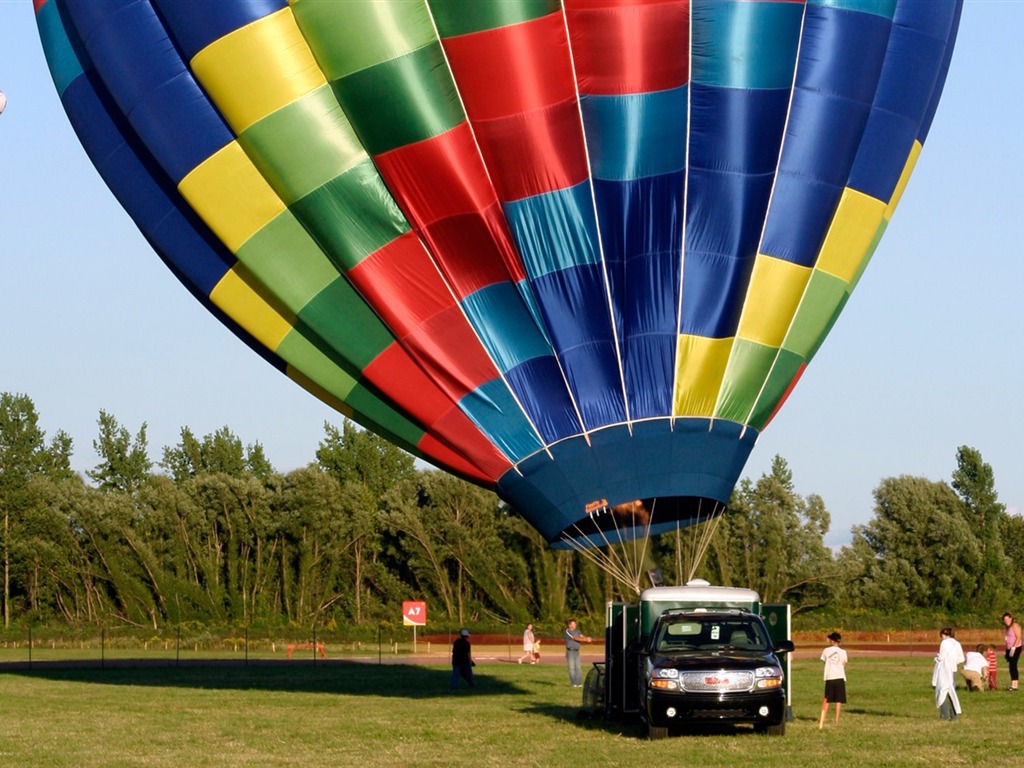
pixel 926 357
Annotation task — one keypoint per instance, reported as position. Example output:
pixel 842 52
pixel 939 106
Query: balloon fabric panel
pixel 632 64
pixel 531 139
pixel 468 437
pixel 621 49
pixel 581 254
pixel 320 201
pixel 164 220
pixel 859 219
pixel 738 111
pixel 442 187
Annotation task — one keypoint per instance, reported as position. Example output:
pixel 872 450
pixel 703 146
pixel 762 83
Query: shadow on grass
pixel 406 681
pixel 579 718
pixel 879 712
pixel 630 727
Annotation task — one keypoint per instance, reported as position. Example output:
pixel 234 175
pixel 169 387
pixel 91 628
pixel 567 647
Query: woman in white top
pixel 950 656
pixel 528 640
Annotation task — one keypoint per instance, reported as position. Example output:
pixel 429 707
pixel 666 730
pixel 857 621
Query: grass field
pixel 405 715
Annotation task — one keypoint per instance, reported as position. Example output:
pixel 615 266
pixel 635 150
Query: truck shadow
pixel 581 719
pixel 629 727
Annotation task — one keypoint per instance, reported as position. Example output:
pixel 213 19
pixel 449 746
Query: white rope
pixel 614 557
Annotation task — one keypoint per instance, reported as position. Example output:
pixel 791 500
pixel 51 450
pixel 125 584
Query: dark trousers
pixel 1012 657
pixel 465 671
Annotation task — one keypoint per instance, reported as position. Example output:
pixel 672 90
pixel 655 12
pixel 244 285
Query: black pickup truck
pixel 712 666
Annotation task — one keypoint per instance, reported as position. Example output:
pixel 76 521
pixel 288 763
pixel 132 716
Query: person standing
pixel 835 677
pixel 573 638
pixel 993 667
pixel 462 659
pixel 528 640
pixel 950 656
pixel 1013 644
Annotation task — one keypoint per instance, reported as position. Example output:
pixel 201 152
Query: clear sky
pixel 926 357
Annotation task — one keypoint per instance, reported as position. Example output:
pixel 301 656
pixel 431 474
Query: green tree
pixel 39 550
pixel 257 462
pixel 63 567
pixel 1011 533
pixel 314 542
pixel 772 540
pixel 173 528
pixel 974 482
pixel 453 535
pixel 23 455
pixel 237 539
pixel 220 452
pixel 367 467
pixel 124 462
pixel 922 549
pixel 356 455
pixel 549 572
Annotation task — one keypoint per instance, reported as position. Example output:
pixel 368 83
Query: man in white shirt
pixel 975 669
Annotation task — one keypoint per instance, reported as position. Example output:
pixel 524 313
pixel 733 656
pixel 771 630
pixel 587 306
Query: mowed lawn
pixel 397 715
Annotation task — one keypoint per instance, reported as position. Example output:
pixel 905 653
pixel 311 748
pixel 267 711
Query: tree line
pixel 213 534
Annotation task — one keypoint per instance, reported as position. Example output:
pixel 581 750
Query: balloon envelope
pixel 577 254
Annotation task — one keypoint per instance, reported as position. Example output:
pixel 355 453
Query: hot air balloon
pixel 578 252
pixel 3 102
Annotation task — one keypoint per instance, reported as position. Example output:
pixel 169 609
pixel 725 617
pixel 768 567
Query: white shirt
pixel 528 640
pixel 975 662
pixel 951 654
pixel 835 662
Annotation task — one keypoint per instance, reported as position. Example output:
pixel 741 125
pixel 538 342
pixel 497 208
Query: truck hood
pixel 724 659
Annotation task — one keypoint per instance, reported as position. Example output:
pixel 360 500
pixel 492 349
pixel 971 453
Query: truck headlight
pixel 768 677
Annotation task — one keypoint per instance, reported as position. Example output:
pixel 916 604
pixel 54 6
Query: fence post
pixel 103 647
pixel 177 647
pixel 30 647
pixel 379 630
pixel 247 646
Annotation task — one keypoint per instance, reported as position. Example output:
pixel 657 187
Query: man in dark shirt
pixel 462 660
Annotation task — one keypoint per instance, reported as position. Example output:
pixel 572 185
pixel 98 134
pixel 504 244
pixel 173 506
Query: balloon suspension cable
pixel 699 543
pixel 613 556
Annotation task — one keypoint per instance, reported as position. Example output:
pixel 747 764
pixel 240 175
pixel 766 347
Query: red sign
pixel 414 613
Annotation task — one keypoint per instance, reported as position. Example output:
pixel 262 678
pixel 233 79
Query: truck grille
pixel 719 714
pixel 716 681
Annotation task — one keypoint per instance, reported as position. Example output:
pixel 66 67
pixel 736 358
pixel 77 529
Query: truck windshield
pixel 711 633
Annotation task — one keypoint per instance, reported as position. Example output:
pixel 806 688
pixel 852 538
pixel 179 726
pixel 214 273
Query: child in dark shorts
pixel 835 677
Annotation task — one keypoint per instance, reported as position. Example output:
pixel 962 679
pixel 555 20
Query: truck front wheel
pixel 773 730
pixel 654 732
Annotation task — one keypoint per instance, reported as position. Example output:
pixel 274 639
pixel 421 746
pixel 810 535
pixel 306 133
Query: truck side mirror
pixel 784 646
